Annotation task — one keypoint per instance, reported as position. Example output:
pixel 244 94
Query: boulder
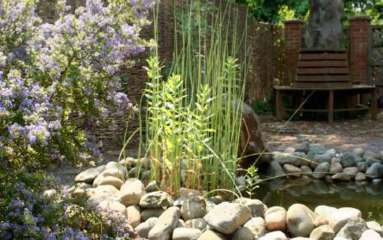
pixel 151 212
pixel 251 140
pixel 292 170
pixel 370 155
pixel 375 226
pixel 144 228
pixel 370 235
pixel 300 220
pixel 132 191
pixel 152 187
pixel 341 177
pixel 257 207
pixel 336 166
pixel 110 180
pixel 353 230
pixel 321 170
pixel 375 171
pixel 211 235
pixel 325 212
pixel 289 158
pixel 89 175
pixel 352 171
pixel 107 207
pixel 167 222
pixel 306 170
pixel 343 215
pixel 194 207
pixel 358 151
pixel 115 169
pixel 303 147
pixel 101 193
pixel 227 217
pixel 325 157
pixel 349 159
pixel 252 230
pixel 360 177
pixel 186 234
pixel 133 215
pixel 157 199
pixel 362 166
pixel 323 232
pixel 276 235
pixel 275 218
pixel 198 223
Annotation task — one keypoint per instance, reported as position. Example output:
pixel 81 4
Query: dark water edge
pixel 368 197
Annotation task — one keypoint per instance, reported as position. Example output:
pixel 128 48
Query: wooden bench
pixel 281 91
pixel 325 68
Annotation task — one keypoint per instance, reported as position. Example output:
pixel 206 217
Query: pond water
pixel 368 197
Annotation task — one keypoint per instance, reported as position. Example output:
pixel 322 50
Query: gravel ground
pixel 341 135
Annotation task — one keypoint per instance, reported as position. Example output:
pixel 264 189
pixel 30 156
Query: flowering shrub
pixel 59 79
pixel 26 214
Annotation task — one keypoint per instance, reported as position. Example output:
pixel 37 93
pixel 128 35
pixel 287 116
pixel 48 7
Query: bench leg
pixel 374 104
pixel 279 105
pixel 331 106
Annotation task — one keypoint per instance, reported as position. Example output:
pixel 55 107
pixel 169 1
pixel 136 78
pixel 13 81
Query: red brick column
pixel 359 49
pixel 293 41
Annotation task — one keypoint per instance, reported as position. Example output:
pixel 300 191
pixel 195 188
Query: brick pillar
pixel 293 41
pixel 359 49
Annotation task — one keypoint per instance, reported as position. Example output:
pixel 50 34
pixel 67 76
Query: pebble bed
pixel 314 160
pixel 156 215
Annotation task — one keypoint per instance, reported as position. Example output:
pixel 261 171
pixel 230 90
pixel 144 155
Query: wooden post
pixel 279 104
pixel 374 104
pixel 331 106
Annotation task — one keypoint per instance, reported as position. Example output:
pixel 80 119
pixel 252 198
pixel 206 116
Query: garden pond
pixel 364 196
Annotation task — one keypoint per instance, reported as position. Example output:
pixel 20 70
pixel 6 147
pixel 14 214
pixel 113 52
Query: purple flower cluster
pixel 30 105
pixel 23 219
pixel 65 69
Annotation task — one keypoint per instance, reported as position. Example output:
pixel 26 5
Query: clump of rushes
pixel 193 117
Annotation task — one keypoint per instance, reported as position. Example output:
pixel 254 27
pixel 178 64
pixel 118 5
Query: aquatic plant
pixel 194 113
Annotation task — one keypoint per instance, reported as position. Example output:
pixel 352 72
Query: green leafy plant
pixel 193 118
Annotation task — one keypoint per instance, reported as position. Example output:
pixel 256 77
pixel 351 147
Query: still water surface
pixel 368 197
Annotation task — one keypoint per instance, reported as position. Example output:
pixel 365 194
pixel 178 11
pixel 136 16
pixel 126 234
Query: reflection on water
pixel 368 197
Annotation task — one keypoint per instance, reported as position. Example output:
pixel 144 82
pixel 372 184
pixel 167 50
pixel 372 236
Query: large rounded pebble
pixel 343 215
pixel 275 218
pixel 186 234
pixel 323 232
pixel 167 222
pixel 151 212
pixel 110 207
pixel 110 180
pixel 211 235
pixel 321 170
pixel 227 217
pixel 253 229
pixel 198 223
pixel 194 207
pixel 276 235
pixel 144 228
pixel 300 220
pixel 353 229
pixel 375 226
pixel 134 215
pixel 370 235
pixel 132 191
pixel 157 199
pixel 257 207
pixel 89 175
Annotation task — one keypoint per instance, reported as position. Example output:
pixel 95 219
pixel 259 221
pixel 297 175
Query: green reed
pixel 193 115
